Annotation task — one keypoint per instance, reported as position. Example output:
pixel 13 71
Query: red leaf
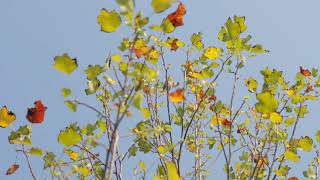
pixel 176 18
pixel 13 168
pixel 36 114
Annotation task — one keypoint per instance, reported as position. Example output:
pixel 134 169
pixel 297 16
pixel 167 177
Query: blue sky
pixel 33 32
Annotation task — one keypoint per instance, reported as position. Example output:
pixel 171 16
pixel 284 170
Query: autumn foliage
pixel 184 118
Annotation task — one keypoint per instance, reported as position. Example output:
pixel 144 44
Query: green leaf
pixel 65 64
pixel 123 67
pixel 102 125
pixel 49 160
pixel 137 100
pixel 72 106
pixel 133 151
pixel 302 112
pixel 93 71
pixel 109 21
pixel 306 143
pixel 318 136
pixel 159 6
pixel 258 49
pixel 196 40
pixel 127 9
pixel 35 151
pixel 142 166
pixel 65 92
pixel 172 171
pixel 289 121
pixel 21 136
pixel 283 171
pixel 69 137
pixel 125 44
pixel 251 84
pixel 93 86
pixel 167 26
pixel 291 156
pixel 267 103
pixel 145 112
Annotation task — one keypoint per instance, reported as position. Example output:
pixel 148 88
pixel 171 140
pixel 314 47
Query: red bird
pixel 36 114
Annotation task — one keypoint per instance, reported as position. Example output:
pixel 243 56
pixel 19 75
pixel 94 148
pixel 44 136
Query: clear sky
pixel 32 32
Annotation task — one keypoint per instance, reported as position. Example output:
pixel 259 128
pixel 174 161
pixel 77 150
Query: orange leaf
pixel 139 52
pixel 36 114
pixel 293 178
pixel 13 168
pixel 177 96
pixel 305 72
pixel 176 18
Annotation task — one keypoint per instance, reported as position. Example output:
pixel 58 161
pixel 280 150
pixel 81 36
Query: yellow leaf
pixel 172 171
pixel 290 92
pixel 109 21
pixel 74 156
pixel 212 53
pixel 142 166
pixel 291 156
pixel 6 117
pixel 116 58
pixel 275 118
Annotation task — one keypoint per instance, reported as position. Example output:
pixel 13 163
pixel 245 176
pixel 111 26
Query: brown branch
pixel 29 163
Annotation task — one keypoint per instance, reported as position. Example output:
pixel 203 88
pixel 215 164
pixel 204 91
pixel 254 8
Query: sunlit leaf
pixel 161 5
pixel 177 96
pixel 267 103
pixel 93 71
pixel 71 105
pixel 283 171
pixel 212 53
pixel 289 121
pixel 196 40
pixel 109 21
pixel 306 143
pixel 172 171
pixel 318 136
pixel 167 26
pixel 69 137
pixel 275 118
pixel 21 136
pixel 258 49
pixel 127 9
pixel 6 117
pixel 138 100
pixel 35 151
pixel 251 84
pixel 116 58
pixel 142 166
pixel 93 86
pixel 65 64
pixel 291 156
